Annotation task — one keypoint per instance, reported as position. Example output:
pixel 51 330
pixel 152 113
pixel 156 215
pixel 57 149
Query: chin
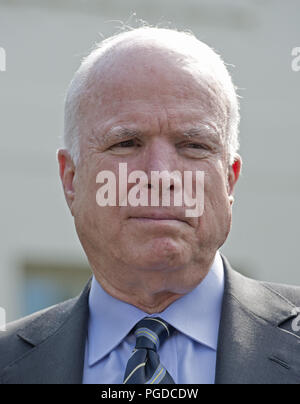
pixel 163 254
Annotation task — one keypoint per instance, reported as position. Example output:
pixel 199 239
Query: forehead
pixel 147 119
pixel 146 87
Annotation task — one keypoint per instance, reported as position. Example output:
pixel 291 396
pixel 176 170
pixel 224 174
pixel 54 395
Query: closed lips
pixel 157 216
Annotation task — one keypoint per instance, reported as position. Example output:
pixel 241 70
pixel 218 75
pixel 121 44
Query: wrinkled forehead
pixel 147 73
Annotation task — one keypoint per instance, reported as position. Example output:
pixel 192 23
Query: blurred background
pixel 41 260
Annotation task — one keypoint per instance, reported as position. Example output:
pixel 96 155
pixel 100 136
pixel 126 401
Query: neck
pixel 152 291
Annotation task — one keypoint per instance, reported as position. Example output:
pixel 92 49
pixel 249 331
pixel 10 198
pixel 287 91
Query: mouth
pixel 158 217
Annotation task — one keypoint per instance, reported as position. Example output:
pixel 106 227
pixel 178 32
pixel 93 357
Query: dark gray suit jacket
pixel 257 344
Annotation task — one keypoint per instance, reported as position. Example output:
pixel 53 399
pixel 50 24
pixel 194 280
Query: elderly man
pixel 163 305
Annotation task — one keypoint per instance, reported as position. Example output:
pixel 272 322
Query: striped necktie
pixel 144 366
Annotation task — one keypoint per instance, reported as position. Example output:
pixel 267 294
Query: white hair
pixel 183 43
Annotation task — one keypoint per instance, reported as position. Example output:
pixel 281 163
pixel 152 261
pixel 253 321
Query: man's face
pixel 139 116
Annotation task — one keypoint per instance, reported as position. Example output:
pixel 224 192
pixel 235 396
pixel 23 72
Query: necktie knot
pixel 144 366
pixel 151 332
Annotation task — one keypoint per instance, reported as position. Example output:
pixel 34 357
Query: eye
pixel 196 146
pixel 125 144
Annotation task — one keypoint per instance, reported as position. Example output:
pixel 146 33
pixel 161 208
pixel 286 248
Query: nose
pixel 159 157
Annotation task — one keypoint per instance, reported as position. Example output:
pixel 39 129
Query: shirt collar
pixel 196 314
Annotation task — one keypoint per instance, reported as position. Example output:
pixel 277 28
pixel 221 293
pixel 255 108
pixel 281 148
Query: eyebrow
pixel 122 133
pixel 203 129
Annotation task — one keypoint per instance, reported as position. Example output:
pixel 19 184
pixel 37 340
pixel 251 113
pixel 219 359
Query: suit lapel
pixel 56 342
pixel 252 347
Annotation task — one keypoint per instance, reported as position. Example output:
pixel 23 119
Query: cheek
pixel 215 193
pixel 216 218
pixel 87 213
pixel 215 184
pixel 85 190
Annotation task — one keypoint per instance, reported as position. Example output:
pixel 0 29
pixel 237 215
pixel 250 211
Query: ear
pixel 233 176
pixel 67 173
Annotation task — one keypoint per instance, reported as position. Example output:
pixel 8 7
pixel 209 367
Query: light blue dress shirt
pixel 189 355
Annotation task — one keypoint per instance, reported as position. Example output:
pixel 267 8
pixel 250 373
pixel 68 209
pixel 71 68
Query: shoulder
pixel 289 292
pixel 243 285
pixel 12 345
pixel 272 302
pixel 50 313
pixel 45 331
